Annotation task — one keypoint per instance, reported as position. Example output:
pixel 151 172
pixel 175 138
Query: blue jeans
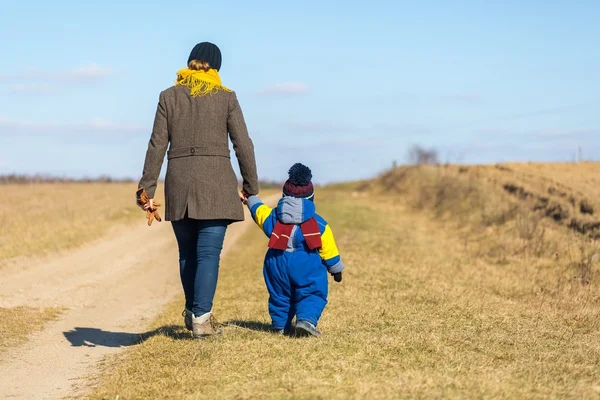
pixel 200 244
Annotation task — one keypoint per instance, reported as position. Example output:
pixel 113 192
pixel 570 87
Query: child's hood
pixel 292 210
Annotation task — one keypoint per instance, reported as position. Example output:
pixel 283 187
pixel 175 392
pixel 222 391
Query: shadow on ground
pixel 92 337
pixel 251 325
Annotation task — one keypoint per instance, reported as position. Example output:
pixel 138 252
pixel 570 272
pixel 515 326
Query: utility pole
pixel 579 154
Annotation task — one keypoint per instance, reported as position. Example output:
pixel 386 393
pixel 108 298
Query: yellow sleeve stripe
pixel 328 249
pixel 261 214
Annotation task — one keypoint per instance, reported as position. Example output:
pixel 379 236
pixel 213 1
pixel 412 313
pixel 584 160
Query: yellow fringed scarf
pixel 200 83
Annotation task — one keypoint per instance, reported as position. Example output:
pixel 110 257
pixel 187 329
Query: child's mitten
pixel 337 277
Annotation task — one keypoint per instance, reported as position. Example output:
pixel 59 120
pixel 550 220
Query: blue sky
pixel 345 87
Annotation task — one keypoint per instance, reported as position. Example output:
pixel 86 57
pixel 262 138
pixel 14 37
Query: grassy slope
pixel 420 314
pixel 545 214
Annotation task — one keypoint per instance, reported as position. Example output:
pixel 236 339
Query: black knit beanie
pixel 208 52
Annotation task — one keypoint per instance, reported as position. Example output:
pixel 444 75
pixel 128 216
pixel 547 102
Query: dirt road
pixel 110 290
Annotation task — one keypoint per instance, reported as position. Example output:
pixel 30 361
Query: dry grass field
pixel 18 322
pixel 535 213
pixel 43 218
pixel 40 219
pixel 461 282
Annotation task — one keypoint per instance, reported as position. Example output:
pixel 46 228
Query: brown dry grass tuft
pixel 419 314
pixel 19 322
pixel 39 219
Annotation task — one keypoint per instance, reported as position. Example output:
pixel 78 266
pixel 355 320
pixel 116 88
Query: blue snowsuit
pixel 296 277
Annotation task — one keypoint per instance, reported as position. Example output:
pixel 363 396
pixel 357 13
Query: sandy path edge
pixel 111 288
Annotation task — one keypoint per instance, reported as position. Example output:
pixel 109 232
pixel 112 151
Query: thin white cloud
pixel 378 130
pixel 566 133
pixel 462 98
pixel 401 128
pixel 543 134
pixel 285 88
pixel 10 126
pixel 35 81
pixel 34 88
pixel 317 126
pixel 85 72
pixel 92 72
pixel 339 144
pixel 4 121
pixel 495 131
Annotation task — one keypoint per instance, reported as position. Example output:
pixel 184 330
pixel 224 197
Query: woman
pixel 195 118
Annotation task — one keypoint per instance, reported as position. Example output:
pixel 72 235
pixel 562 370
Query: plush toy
pixel 152 213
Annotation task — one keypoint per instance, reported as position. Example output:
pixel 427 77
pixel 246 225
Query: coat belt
pixel 197 151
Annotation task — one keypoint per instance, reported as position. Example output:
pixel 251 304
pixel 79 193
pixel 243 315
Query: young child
pixel 301 252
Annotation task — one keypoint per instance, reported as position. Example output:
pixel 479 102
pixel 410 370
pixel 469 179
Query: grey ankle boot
pixel 187 319
pixel 204 326
pixel 305 328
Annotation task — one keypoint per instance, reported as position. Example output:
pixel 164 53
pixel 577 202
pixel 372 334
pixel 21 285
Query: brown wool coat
pixel 200 178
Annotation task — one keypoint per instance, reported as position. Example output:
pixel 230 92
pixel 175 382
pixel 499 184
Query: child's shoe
pixel 305 328
pixel 204 326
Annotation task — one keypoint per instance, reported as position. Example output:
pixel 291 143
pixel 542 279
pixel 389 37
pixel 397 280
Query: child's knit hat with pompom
pixel 299 183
